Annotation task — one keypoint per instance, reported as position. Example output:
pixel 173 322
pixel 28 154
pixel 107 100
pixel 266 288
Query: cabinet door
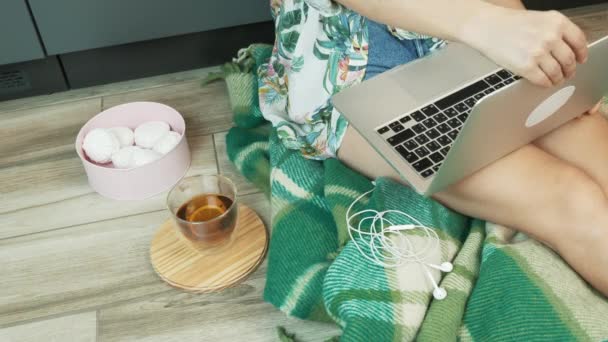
pixel 75 25
pixel 18 39
pixel 37 77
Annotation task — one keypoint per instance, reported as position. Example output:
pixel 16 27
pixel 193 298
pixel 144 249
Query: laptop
pixel 440 118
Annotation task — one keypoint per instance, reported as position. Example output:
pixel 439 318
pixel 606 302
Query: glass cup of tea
pixel 204 209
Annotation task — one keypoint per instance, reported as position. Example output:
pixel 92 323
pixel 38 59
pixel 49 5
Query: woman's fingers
pixel 543 47
pixel 538 77
pixel 552 69
pixel 564 55
pixel 575 38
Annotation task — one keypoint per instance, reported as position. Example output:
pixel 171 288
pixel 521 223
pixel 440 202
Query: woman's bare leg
pixel 582 142
pixel 529 190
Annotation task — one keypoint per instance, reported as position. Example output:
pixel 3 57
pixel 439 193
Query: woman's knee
pixel 582 142
pixel 577 205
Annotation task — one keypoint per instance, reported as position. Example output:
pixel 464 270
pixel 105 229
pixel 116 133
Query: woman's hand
pixel 543 47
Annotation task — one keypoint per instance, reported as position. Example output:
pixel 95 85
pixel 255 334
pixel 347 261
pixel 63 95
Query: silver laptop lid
pixel 405 88
pixel 473 148
pixel 518 114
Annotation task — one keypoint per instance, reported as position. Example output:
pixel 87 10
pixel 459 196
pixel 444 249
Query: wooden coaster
pixel 187 267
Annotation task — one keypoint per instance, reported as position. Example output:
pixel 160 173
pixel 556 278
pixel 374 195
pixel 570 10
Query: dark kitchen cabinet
pixel 37 77
pixel 18 39
pixel 53 45
pixel 76 25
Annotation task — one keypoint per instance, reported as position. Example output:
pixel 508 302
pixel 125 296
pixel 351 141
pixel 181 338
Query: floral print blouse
pixel 320 48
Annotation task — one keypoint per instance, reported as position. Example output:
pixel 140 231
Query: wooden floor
pixel 75 266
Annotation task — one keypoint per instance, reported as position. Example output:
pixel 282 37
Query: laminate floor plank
pixel 80 327
pixel 84 267
pixel 206 109
pixel 235 314
pixel 40 133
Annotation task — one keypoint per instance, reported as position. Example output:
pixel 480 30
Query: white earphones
pixel 388 247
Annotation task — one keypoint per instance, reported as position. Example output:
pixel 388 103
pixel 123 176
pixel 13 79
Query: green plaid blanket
pixel 504 287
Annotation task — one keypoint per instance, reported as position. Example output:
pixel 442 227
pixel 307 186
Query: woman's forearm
pixel 543 47
pixel 447 19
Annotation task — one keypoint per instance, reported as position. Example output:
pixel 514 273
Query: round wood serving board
pixel 187 267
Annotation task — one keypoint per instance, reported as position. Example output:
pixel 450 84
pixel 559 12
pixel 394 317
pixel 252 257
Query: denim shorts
pixel 387 51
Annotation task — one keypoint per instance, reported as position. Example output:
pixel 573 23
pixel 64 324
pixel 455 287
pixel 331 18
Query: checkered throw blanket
pixel 503 287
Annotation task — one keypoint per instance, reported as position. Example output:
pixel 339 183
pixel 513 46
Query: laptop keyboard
pixel 424 137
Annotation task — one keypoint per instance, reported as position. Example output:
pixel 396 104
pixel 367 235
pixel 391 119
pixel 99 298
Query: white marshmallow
pixel 124 134
pixel 167 143
pixel 125 157
pixel 148 133
pixel 99 145
pixel 143 157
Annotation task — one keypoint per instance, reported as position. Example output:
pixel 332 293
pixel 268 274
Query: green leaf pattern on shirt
pixel 313 38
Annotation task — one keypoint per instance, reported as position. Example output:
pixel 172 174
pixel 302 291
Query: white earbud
pixel 439 293
pixel 445 267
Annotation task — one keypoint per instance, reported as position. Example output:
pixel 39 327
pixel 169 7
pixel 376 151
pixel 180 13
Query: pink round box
pixel 144 181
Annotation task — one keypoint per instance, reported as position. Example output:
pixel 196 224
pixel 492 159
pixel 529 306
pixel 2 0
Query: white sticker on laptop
pixel 550 106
